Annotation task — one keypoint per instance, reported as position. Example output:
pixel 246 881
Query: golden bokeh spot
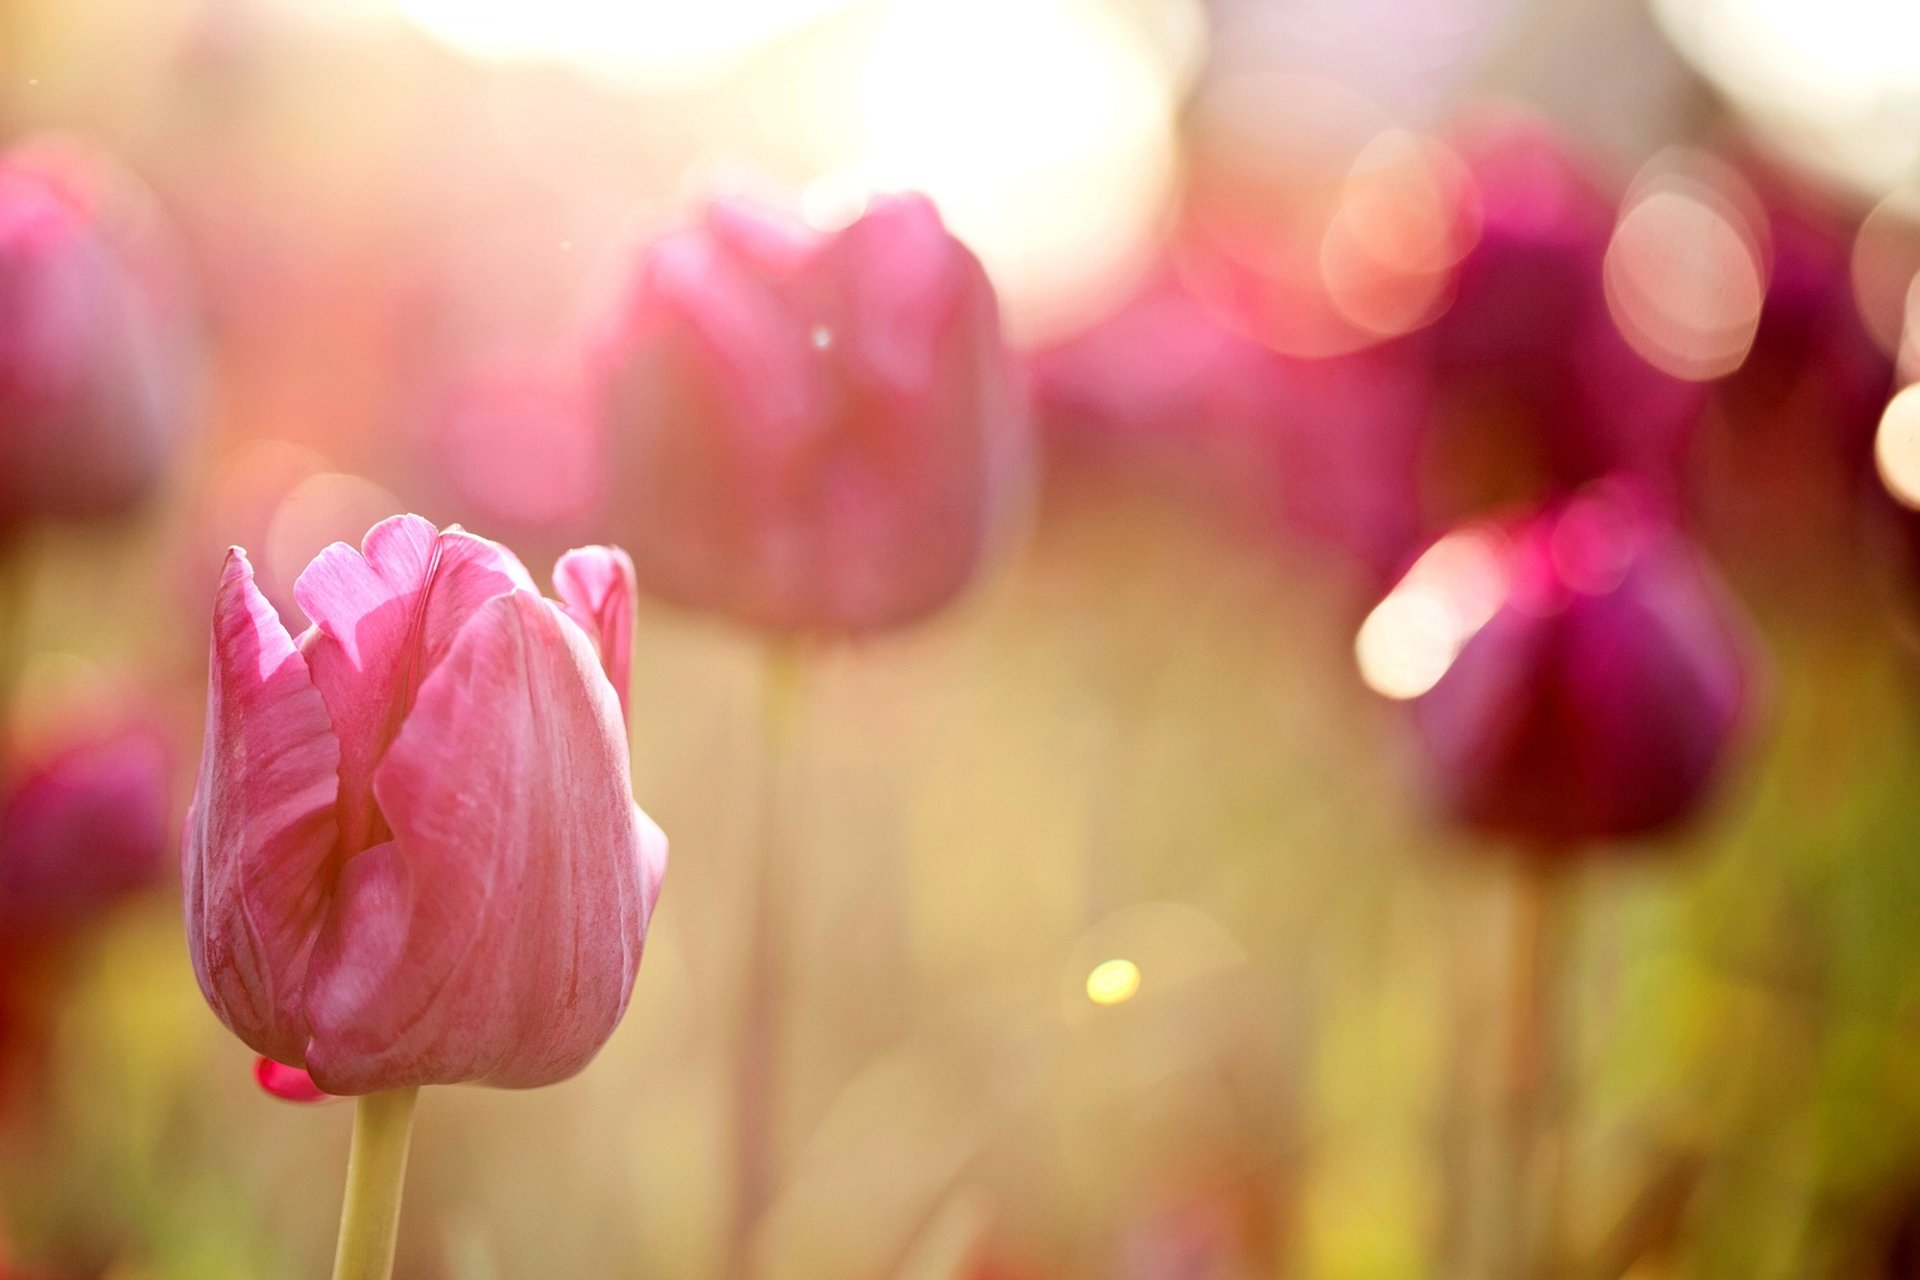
pixel 1113 982
pixel 1896 447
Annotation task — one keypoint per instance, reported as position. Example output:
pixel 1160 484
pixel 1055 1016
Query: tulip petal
pixel 597 587
pixel 289 1084
pixel 383 617
pixel 497 937
pixel 261 830
pixel 904 278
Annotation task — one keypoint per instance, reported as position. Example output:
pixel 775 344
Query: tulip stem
pixel 1533 1156
pixel 376 1170
pixel 16 592
pixel 756 1154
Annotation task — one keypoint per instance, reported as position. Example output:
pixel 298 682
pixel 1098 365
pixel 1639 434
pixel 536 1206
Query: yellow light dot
pixel 1897 447
pixel 1113 982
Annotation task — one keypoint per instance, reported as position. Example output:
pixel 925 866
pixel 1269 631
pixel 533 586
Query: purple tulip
pixel 82 828
pixel 1535 372
pixel 1597 673
pixel 1328 449
pixel 93 344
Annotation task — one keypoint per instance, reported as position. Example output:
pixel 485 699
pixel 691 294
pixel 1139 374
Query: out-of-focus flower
pixel 1326 448
pixel 1591 677
pixel 1813 363
pixel 85 823
pixel 1155 385
pixel 81 828
pixel 812 432
pixel 413 855
pixel 93 342
pixel 1541 390
pixel 1533 274
pixel 1795 431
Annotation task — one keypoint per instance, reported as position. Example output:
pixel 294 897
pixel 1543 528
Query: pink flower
pixel 1791 471
pixel 1601 694
pixel 413 855
pixel 1535 374
pixel 1326 448
pixel 93 342
pixel 812 432
pixel 82 827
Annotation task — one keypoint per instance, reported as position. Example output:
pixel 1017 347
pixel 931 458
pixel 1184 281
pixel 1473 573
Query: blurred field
pixel 1143 737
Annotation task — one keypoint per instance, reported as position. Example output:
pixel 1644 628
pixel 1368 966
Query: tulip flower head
pixel 93 346
pixel 413 855
pixel 1591 671
pixel 1532 363
pixel 812 432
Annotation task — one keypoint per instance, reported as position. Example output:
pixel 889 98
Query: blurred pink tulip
pixel 1601 695
pixel 82 827
pixel 1162 390
pixel 93 344
pixel 1791 468
pixel 413 855
pixel 812 432
pixel 1533 275
pixel 1534 371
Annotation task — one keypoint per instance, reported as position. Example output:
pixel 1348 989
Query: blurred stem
pixel 756 1152
pixel 16 590
pixel 376 1170
pixel 1533 1154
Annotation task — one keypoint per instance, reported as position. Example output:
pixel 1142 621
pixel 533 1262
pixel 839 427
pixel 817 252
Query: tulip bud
pixel 1591 671
pixel 413 855
pixel 93 346
pixel 81 828
pixel 811 432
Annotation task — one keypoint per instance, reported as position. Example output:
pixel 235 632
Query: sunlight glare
pixel 1838 81
pixel 657 42
pixel 1042 128
pixel 1411 638
pixel 1896 447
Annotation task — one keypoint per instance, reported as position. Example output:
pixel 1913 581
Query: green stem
pixel 756 1134
pixel 1533 1158
pixel 376 1170
pixel 16 593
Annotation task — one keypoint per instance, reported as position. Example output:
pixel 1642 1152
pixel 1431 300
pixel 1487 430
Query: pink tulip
pixel 1601 695
pixel 1535 374
pixel 1327 449
pixel 1792 467
pixel 80 828
pixel 93 343
pixel 413 855
pixel 812 432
